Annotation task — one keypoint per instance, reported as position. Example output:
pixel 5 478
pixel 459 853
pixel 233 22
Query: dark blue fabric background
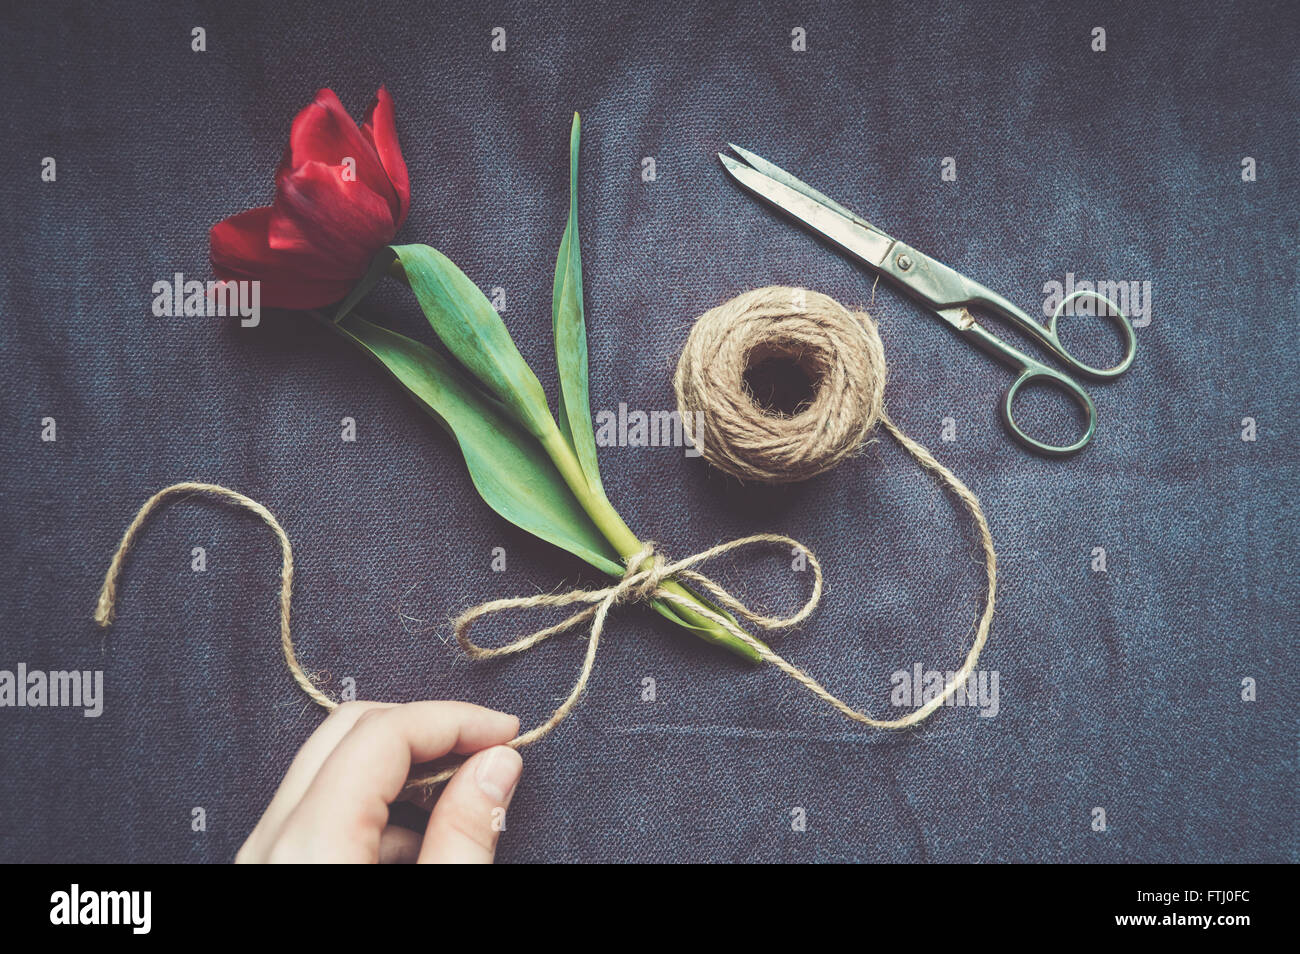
pixel 1119 690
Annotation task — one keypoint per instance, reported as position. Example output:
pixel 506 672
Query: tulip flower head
pixel 341 194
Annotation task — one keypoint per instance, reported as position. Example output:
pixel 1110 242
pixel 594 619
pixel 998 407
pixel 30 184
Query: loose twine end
pixel 104 609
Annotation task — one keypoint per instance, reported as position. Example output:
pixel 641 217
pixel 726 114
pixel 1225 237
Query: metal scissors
pixel 947 292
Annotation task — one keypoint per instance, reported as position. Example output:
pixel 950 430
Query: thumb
pixel 471 814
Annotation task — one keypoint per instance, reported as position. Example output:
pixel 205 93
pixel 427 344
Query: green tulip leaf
pixel 474 333
pixel 510 470
pixel 570 331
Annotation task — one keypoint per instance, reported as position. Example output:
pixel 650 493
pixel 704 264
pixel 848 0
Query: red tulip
pixel 330 216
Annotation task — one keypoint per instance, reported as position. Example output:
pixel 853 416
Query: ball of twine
pixel 839 351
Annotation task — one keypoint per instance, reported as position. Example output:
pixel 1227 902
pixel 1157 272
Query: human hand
pixel 333 803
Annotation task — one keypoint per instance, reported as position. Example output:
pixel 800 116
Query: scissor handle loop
pixel 1071 388
pixel 1113 312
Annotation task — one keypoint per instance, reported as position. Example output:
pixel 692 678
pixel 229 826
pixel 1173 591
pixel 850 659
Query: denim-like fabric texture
pixel 1119 690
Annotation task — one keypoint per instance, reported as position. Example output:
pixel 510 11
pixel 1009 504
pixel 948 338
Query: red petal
pixel 321 217
pixel 242 244
pixel 239 250
pixel 324 132
pixel 380 129
pixel 297 294
pixel 239 243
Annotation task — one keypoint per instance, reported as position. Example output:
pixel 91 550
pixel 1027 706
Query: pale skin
pixel 333 804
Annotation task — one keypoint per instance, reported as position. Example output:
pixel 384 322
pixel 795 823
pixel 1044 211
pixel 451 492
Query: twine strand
pixel 106 607
pixel 842 353
pixel 642 581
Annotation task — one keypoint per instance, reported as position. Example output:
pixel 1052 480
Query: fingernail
pixel 497 773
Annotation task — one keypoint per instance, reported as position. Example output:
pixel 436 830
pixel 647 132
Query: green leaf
pixel 474 333
pixel 570 331
pixel 510 470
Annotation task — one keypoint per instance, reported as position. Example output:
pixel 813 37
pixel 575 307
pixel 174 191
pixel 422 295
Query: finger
pixel 301 771
pixel 470 815
pixel 349 797
pixel 398 846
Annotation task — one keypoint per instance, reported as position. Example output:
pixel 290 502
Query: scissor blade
pixel 865 243
pixel 773 171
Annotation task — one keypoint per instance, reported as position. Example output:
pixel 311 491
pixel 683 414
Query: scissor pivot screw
pixel 904 263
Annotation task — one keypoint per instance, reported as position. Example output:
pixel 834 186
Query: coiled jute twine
pixel 843 355
pixel 840 353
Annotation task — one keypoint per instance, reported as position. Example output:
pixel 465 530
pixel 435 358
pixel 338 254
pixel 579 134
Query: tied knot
pixel 645 579
pixel 641 582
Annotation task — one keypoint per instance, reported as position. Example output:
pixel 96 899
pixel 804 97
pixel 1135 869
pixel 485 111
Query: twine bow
pixel 641 582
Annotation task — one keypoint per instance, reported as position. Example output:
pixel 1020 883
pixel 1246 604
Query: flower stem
pixel 617 532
